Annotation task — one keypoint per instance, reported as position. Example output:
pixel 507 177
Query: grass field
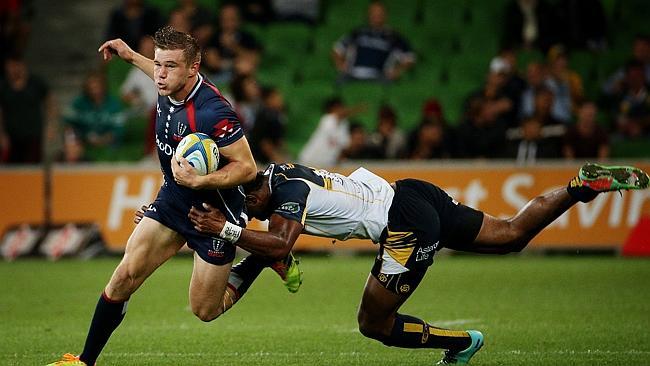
pixel 532 310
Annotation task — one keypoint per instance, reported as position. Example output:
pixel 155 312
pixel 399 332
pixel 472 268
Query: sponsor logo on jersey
pixel 290 207
pixel 425 253
pixel 180 131
pixel 164 147
pixel 223 128
pixel 404 288
pixel 217 248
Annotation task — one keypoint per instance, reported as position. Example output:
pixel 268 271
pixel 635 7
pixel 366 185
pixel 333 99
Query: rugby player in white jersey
pixel 410 220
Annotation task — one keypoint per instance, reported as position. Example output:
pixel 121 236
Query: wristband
pixel 230 232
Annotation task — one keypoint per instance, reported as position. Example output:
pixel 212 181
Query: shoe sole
pixel 603 178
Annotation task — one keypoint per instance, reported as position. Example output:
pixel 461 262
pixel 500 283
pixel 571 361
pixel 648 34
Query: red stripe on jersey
pixel 214 89
pixel 191 118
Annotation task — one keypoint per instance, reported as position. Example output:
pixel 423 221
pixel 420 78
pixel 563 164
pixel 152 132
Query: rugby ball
pixel 200 151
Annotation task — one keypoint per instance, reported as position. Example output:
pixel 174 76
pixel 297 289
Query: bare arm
pixel 117 46
pixel 240 169
pixel 274 244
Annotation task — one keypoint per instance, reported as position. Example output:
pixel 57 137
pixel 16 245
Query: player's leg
pixel 150 245
pixel 208 295
pixel 379 318
pixel 501 236
pixel 407 248
pixel 244 273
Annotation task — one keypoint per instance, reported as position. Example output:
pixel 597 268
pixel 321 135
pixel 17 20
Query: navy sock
pixel 411 332
pixel 108 315
pixel 244 273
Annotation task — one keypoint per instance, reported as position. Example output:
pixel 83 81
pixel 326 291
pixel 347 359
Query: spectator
pixel 246 100
pixel 531 145
pixel 330 137
pixel 373 52
pixel 514 84
pixel 429 141
pixel 640 53
pixel 132 21
pixel 267 137
pixel 535 77
pixel 529 24
pixel 565 83
pixel 229 42
pixel 582 24
pixel 633 104
pixel 492 95
pixel 141 95
pixel 96 116
pixel 358 148
pixel 15 28
pixel 538 81
pixel 482 134
pixel 586 139
pixel 199 21
pixel 137 91
pixel 544 101
pixel 388 141
pixel 26 113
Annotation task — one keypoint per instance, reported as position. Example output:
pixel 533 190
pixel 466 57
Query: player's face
pixel 172 74
pixel 256 205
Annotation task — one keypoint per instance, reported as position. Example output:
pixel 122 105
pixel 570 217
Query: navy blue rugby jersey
pixel 204 110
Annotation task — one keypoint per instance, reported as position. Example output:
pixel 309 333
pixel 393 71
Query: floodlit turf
pixel 532 311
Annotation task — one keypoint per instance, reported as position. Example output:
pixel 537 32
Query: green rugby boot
pixel 463 357
pixel 606 178
pixel 289 272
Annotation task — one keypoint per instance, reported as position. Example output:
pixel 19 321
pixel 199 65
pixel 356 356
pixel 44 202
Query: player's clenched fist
pixel 116 46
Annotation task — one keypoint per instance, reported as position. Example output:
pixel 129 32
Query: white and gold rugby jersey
pixel 330 204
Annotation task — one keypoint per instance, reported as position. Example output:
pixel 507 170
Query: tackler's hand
pixel 185 174
pixel 208 220
pixel 139 214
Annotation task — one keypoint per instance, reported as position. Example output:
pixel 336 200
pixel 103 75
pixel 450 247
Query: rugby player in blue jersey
pixel 187 103
pixel 410 220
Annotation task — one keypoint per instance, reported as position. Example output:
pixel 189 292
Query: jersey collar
pixel 269 172
pixel 190 95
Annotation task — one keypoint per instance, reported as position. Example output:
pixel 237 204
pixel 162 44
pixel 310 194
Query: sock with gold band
pixel 579 192
pixel 411 332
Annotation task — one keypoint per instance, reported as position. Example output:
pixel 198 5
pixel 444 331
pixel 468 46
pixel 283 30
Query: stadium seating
pixel 454 42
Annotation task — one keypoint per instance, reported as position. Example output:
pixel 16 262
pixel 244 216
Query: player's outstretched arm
pixel 273 244
pixel 240 169
pixel 119 47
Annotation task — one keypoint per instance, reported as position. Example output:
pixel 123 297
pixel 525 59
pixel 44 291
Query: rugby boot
pixel 606 178
pixel 463 357
pixel 68 360
pixel 289 272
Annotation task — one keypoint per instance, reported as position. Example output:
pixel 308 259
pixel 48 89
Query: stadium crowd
pixel 541 113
